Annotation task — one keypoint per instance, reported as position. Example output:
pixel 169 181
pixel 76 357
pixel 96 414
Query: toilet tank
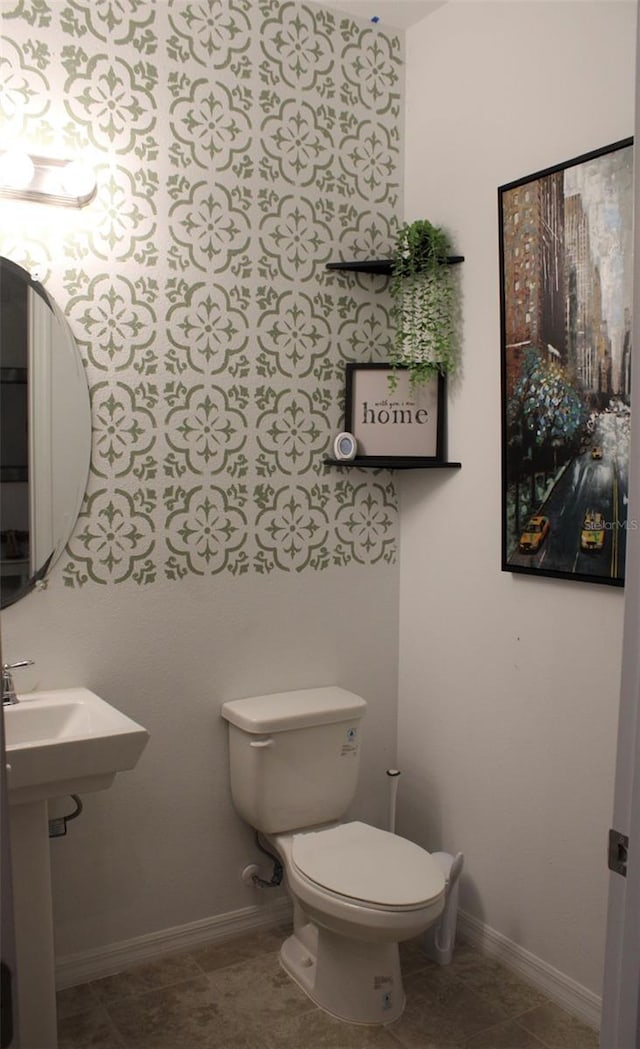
pixel 294 756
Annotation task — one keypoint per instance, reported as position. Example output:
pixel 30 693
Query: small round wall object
pixel 345 446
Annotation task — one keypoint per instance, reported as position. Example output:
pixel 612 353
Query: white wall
pixel 508 684
pixel 168 635
pixel 163 846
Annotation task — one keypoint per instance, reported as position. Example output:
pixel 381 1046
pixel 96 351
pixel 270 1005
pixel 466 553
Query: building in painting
pixel 535 295
pixel 624 379
pixel 579 285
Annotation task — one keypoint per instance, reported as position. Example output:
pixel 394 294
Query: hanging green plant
pixel 423 289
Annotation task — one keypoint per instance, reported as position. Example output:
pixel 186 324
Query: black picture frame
pixel 395 426
pixel 566 261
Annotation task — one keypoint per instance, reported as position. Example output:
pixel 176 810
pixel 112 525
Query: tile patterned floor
pixel 234 995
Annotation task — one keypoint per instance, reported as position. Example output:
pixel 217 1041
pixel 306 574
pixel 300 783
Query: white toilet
pixel 357 891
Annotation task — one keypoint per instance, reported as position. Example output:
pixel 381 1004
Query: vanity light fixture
pixel 48 180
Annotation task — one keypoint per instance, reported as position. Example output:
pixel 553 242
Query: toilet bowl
pixel 357 892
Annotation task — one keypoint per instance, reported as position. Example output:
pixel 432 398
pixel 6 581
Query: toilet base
pixel 353 980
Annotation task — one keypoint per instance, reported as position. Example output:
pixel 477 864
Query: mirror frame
pixel 59 431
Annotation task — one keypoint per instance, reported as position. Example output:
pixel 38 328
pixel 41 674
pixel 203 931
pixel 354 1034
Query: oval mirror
pixel 45 432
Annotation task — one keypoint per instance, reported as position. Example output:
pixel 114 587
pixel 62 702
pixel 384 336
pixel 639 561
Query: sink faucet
pixel 8 688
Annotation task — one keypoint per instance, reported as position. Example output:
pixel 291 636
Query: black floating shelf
pixel 393 462
pixel 383 266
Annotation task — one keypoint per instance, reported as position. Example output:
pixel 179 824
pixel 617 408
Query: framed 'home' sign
pixel 402 424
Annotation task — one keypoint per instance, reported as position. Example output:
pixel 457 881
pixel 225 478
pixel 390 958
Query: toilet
pixel 357 891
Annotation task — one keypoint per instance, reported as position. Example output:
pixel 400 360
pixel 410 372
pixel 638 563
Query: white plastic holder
pixel 440 939
pixel 394 777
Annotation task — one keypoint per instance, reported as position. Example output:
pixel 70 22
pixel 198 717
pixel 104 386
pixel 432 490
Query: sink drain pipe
pixel 58 825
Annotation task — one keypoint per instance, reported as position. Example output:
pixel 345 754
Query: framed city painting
pixel 566 293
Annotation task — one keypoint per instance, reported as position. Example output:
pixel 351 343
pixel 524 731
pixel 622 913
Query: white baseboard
pixel 560 988
pixel 73 969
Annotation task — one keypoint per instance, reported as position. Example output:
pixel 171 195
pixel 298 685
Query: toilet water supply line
pixel 251 876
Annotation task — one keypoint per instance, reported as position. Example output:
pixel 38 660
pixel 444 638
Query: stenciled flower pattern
pixel 369 158
pixel 296 51
pixel 205 430
pixel 24 98
pixel 33 12
pixel 364 330
pixel 205 330
pixel 292 432
pixel 123 217
pixel 205 527
pixel 120 21
pixel 293 333
pixel 114 534
pixel 123 431
pixel 290 530
pixel 372 67
pixel 239 145
pixel 298 142
pixel 112 100
pixel 209 127
pixel 365 234
pixel 208 225
pixel 116 320
pixel 211 32
pixel 295 238
pixel 365 522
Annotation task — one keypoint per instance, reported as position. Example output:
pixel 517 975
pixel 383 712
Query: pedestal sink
pixel 59 742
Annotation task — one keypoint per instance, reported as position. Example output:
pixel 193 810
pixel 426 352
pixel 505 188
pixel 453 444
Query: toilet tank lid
pixel 288 710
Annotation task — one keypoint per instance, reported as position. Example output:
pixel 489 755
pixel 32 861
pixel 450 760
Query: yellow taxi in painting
pixel 534 535
pixel 592 534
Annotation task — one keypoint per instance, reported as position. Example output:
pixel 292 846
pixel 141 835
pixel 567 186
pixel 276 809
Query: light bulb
pixel 78 179
pixel 16 169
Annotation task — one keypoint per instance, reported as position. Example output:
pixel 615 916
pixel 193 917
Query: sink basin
pixel 67 741
pixel 45 719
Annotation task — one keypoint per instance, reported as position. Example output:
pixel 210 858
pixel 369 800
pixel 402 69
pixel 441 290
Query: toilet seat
pixel 368 865
pixel 353 915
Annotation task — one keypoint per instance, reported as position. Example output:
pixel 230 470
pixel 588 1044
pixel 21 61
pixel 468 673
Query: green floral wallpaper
pixel 239 145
